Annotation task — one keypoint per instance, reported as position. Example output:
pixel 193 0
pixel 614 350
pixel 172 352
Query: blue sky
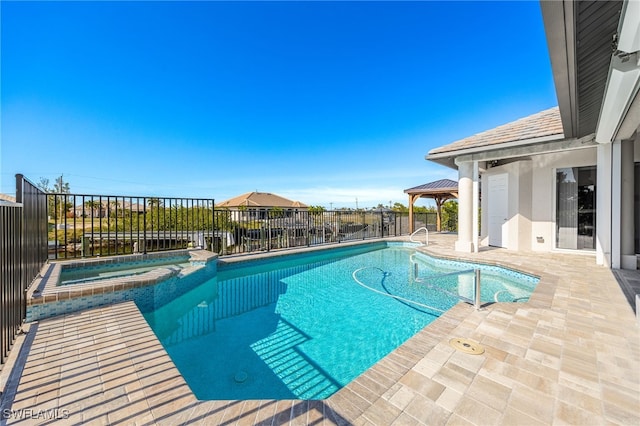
pixel 322 102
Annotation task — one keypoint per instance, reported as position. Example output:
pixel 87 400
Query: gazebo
pixel 440 190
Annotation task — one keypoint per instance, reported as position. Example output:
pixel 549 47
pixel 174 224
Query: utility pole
pixel 61 198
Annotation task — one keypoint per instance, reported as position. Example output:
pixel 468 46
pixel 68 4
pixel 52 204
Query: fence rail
pixel 84 225
pixel 244 231
pixel 23 252
pixel 87 225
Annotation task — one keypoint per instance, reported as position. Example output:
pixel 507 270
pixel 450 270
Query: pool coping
pixel 46 288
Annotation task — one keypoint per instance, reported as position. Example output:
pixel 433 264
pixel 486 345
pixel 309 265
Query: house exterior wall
pixel 531 198
pixel 543 192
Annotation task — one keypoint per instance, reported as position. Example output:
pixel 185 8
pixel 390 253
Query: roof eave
pixel 458 152
pixel 559 24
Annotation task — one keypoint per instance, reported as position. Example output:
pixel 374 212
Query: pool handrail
pixel 476 302
pixel 355 278
pixel 418 230
pixel 431 277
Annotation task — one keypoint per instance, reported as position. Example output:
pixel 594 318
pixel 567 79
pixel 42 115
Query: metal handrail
pixel 418 230
pixel 355 278
pixel 476 302
pixel 476 299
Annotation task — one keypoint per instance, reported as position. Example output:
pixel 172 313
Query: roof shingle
pixel 442 185
pixel 261 199
pixel 544 123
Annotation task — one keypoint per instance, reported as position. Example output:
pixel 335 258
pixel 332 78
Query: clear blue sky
pixel 321 102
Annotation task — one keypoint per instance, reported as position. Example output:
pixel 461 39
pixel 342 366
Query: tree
pixel 93 205
pixel 43 184
pixel 59 187
pixel 399 207
pixel 275 212
pixel 450 215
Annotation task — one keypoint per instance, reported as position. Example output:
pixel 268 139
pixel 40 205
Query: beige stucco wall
pixel 543 192
pixel 531 198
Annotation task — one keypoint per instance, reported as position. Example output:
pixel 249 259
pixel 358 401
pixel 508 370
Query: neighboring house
pixel 567 178
pixel 256 205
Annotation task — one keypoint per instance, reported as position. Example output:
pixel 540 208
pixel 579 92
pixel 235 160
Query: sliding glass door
pixel 576 208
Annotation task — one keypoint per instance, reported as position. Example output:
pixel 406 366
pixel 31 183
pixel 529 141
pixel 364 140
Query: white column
pixel 475 206
pixel 627 227
pixel 465 208
pixel 603 205
pixel 616 202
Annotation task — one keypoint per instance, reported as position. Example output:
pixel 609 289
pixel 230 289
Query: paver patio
pixel 571 355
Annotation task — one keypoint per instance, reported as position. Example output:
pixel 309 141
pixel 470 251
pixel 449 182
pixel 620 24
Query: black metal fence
pixel 11 292
pixel 34 226
pixel 249 230
pixel 23 252
pixel 84 225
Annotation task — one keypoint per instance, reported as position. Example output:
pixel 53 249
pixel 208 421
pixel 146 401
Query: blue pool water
pixel 301 327
pixel 90 273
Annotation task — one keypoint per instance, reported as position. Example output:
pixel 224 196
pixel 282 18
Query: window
pixel 576 208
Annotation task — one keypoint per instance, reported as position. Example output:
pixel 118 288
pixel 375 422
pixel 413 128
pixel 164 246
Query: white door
pixel 498 210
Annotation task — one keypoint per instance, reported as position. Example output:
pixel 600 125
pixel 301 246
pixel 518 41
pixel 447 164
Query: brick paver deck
pixel 571 355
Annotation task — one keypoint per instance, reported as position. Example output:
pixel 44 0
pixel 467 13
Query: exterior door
pixel 498 209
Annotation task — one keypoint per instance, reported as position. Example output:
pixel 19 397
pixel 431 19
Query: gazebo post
pixel 412 199
pixel 439 202
pixel 441 191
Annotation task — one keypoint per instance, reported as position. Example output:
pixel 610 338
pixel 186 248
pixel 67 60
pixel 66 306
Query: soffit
pixel 580 38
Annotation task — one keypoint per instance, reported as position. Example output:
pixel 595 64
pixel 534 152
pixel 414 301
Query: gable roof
pixel 438 186
pixel 261 199
pixel 546 124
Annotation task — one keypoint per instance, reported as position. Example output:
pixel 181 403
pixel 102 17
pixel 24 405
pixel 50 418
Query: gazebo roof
pixel 440 190
pixel 442 186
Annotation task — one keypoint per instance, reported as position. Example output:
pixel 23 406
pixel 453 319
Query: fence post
pixel 477 302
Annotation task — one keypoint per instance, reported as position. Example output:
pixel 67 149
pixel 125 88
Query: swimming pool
pixel 301 327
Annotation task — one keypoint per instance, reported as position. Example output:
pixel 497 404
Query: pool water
pixel 89 273
pixel 302 327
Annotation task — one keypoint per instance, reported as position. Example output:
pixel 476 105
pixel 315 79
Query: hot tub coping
pixel 46 288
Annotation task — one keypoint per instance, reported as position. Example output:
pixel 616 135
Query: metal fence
pixel 34 226
pixel 11 292
pixel 249 230
pixel 23 252
pixel 428 220
pixel 85 225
